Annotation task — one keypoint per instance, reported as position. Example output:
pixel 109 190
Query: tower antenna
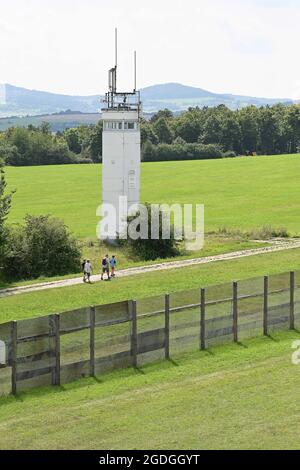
pixel 134 71
pixel 116 47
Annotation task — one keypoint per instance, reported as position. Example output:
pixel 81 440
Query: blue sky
pixel 235 46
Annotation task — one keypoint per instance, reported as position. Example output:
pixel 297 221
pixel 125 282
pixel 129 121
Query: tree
pixel 5 203
pixel 231 134
pixel 95 142
pixel 212 131
pixel 72 138
pixel 162 113
pixel 43 246
pixel 189 126
pixel 148 134
pixel 293 123
pixel 162 129
pixel 9 153
pixel 268 130
pixel 248 119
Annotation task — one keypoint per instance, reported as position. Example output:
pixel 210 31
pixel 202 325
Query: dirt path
pixel 278 245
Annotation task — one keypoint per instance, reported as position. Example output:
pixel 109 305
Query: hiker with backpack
pixel 113 263
pixel 105 267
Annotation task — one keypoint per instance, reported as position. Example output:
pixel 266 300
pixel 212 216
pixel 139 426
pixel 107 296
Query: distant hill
pixel 178 97
pixel 15 101
pixel 58 121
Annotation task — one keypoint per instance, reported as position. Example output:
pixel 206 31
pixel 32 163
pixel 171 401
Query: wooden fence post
pixel 167 326
pixel 235 311
pixel 266 304
pixel 292 300
pixel 202 319
pixel 134 333
pixel 52 341
pixel 92 340
pixel 14 345
pixel 57 348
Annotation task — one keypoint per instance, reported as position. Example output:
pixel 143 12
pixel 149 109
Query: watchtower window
pixel 130 125
pixel 113 125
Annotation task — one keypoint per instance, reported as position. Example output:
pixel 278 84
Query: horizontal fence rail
pixel 60 348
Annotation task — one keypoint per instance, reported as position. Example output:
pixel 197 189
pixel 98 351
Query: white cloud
pixel 246 46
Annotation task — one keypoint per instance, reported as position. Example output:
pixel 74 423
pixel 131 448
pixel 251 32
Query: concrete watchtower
pixel 121 151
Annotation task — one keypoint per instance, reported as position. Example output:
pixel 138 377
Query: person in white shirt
pixel 88 270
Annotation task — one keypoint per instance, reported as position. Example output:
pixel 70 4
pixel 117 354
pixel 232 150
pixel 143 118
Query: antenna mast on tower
pixel 121 100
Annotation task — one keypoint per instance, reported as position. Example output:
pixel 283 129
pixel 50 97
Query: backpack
pixel 104 262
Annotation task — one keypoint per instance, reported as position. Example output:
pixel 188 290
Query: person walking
pixel 113 264
pixel 105 267
pixel 83 270
pixel 88 270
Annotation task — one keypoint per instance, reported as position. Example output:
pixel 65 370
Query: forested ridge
pixel 198 133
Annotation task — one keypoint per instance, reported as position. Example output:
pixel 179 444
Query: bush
pixel 229 154
pixel 180 151
pixel 42 247
pixel 148 249
pixel 267 231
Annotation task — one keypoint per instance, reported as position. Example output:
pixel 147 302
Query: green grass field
pixel 231 397
pixel 241 396
pixel 58 300
pixel 243 193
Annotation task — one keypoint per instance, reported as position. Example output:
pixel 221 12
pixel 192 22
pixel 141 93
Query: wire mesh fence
pixel 90 341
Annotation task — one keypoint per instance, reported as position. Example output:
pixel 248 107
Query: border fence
pixel 59 348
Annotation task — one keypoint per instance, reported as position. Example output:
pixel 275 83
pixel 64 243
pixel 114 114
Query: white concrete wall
pixel 2 353
pixel 121 158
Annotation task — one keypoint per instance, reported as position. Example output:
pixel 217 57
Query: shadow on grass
pixel 272 338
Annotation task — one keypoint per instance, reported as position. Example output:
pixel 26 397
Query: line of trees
pixel 266 130
pixel 20 146
pixel 196 133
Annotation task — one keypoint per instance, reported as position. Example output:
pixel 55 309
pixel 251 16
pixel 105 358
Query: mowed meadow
pixel 240 193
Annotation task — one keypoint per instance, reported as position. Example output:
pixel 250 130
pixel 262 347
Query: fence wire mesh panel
pixel 184 321
pixel 35 354
pixel 250 316
pixel 250 307
pixel 217 294
pixel 74 344
pixel 250 287
pixel 279 302
pixel 219 314
pixel 297 299
pixel 219 329
pixel 5 365
pixel 297 307
pixel 112 337
pixel 150 329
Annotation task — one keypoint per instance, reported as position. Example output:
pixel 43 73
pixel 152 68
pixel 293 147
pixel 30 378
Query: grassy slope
pixel 231 397
pixel 213 245
pixel 58 300
pixel 240 193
